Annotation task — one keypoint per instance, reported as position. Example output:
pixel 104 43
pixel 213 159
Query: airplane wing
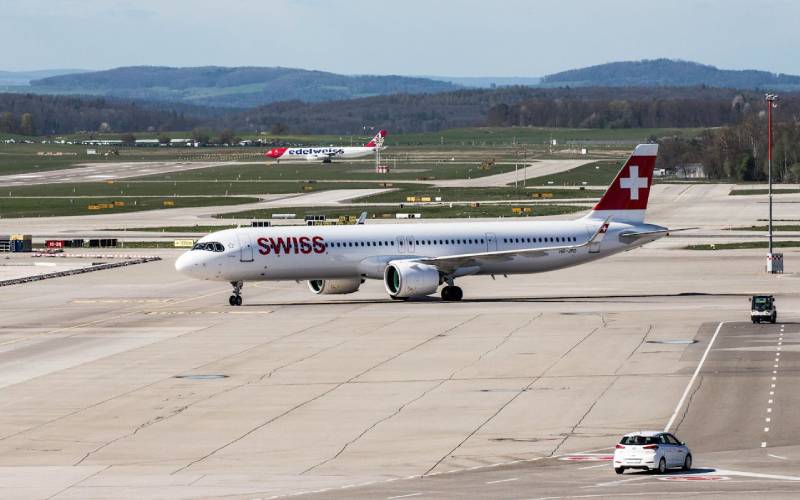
pixel 630 236
pixel 450 263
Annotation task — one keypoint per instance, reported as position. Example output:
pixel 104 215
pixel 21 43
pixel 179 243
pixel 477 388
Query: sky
pixel 407 37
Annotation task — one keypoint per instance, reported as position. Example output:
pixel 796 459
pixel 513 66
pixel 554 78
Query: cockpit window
pixel 209 246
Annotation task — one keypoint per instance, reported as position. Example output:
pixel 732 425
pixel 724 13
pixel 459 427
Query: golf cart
pixel 762 308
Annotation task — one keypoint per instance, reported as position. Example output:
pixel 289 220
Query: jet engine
pixel 410 279
pixel 334 287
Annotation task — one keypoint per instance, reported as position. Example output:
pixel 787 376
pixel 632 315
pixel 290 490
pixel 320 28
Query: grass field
pixel 786 227
pixel 743 245
pixel 165 188
pixel 54 207
pixel 599 173
pixel 488 136
pixel 476 194
pixel 427 211
pixel 179 229
pixel 748 192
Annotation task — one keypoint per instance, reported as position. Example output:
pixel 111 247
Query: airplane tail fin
pixel 377 140
pixel 625 200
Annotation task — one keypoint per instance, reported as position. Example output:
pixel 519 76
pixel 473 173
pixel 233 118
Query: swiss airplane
pixel 414 259
pixel 327 154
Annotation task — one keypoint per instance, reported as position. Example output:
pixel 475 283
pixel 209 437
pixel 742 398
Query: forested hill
pixel 239 87
pixel 668 72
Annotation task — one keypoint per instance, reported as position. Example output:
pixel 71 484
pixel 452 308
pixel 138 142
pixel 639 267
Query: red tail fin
pixel 377 140
pixel 626 197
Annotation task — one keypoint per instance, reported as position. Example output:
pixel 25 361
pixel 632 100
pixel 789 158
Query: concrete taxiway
pixel 140 383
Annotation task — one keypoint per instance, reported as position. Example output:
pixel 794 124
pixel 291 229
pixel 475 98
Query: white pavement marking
pixel 621 481
pixel 503 480
pixel 405 496
pixel 592 466
pixel 776 456
pixel 694 377
pixel 758 475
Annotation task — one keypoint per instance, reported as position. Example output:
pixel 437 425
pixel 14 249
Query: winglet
pixel 362 218
pixel 598 235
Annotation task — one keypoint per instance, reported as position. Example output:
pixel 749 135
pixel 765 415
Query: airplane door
pixel 410 244
pixel 491 242
pixel 245 247
pixel 401 244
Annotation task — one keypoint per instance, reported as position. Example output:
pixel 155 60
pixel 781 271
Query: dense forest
pixel 739 152
pixel 585 107
pixel 29 114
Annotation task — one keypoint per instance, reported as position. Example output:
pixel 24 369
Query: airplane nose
pixel 183 263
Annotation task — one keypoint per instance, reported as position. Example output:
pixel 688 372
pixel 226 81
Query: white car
pixel 651 450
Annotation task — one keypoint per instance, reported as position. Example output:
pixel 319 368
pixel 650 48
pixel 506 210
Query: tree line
pixel 739 152
pixel 30 114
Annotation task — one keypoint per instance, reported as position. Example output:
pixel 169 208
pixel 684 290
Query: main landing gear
pixel 452 293
pixel 236 298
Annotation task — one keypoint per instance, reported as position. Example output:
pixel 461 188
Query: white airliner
pixel 414 259
pixel 329 153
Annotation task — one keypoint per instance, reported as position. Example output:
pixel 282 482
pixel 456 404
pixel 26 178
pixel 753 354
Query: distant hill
pixel 485 82
pixel 239 87
pixel 669 72
pixel 9 78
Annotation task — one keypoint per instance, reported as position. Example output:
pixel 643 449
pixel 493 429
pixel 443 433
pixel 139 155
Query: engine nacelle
pixel 410 279
pixel 334 287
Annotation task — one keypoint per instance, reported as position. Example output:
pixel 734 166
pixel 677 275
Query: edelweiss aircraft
pixel 327 154
pixel 415 259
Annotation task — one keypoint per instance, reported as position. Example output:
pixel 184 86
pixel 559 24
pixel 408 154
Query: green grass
pixel 140 188
pixel 788 227
pixel 178 229
pixel 476 194
pixel 462 168
pixel 52 207
pixel 488 136
pixel 428 211
pixel 599 173
pixel 743 245
pixel 747 192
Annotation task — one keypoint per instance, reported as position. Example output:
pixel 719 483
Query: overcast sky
pixel 409 37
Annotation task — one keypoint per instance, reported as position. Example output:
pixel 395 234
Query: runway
pixel 139 383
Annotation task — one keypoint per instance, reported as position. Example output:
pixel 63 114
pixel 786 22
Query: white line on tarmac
pixel 592 466
pixel 405 496
pixel 621 481
pixel 503 480
pixel 694 377
pixel 776 456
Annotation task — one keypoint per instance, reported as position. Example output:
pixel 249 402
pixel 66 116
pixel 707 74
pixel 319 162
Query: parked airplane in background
pixel 330 153
pixel 413 260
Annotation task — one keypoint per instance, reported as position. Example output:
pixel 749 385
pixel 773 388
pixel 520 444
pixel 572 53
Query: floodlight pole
pixel 771 98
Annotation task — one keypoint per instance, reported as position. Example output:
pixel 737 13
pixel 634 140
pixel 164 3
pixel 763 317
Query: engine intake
pixel 410 279
pixel 334 287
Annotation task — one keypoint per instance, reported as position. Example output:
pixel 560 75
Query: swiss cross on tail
pixel 626 197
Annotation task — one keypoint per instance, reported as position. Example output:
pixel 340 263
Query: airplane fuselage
pixel 340 252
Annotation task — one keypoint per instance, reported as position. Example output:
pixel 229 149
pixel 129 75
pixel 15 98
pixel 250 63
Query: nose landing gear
pixel 236 298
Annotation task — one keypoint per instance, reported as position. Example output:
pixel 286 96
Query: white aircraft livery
pixel 414 259
pixel 329 153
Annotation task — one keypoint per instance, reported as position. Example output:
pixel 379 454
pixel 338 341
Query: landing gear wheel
pixel 452 293
pixel 662 466
pixel 773 319
pixel 687 463
pixel 619 470
pixel 236 298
